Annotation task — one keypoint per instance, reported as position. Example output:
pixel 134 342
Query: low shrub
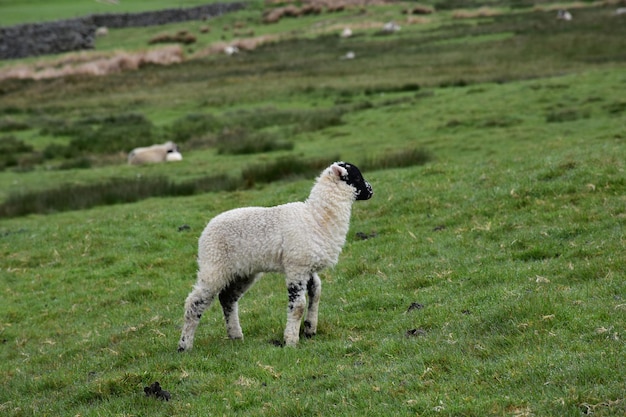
pixel 404 88
pixel 302 120
pixel 76 163
pixel 193 126
pixel 317 120
pixel 240 141
pixel 109 134
pixel 397 159
pixel 182 36
pixel 57 151
pixel 10 144
pixel 8 124
pixel 616 108
pixel 454 83
pixel 115 133
pixel 114 191
pixel 566 115
pixel 56 127
pixel 10 150
pixel 127 190
pixel 284 168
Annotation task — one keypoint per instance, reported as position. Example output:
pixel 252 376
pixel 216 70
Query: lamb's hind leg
pixel 314 291
pixel 198 300
pixel 295 310
pixel 229 298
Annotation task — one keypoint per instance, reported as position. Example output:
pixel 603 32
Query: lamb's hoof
pixel 309 331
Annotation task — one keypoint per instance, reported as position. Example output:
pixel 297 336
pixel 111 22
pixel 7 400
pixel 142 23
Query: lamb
pixel 391 27
pixel 102 31
pixel 564 15
pixel 349 55
pixel 152 154
pixel 298 239
pixel 231 50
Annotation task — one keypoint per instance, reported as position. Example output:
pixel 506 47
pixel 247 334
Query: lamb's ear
pixel 339 171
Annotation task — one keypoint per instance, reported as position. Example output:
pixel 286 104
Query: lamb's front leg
pixel 314 291
pixel 295 310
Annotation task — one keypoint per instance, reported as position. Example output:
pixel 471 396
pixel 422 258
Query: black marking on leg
pixel 199 302
pixel 231 292
pixel 311 287
pixel 230 295
pixel 295 292
pixel 307 329
pixel 198 307
pixel 234 290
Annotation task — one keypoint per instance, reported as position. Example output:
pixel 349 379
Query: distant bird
pixel 564 15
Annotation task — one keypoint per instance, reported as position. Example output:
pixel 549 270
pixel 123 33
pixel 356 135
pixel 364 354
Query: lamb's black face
pixel 355 179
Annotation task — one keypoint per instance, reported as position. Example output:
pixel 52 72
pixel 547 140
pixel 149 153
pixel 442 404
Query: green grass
pixel 31 11
pixel 506 223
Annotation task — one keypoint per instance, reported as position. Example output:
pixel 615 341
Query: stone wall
pixel 77 34
pixel 162 17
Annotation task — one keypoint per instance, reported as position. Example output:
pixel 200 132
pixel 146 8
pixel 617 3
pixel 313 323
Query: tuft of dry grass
pixel 275 14
pixel 93 63
pixel 183 36
pixel 472 14
pixel 243 44
pixel 564 6
pixel 419 9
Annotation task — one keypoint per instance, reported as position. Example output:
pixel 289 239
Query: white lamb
pixel 346 33
pixel 153 154
pixel 298 239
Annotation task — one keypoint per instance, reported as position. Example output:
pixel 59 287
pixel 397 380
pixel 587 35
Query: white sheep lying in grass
pixel 298 239
pixel 154 153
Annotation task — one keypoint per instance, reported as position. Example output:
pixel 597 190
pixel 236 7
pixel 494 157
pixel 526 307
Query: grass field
pixel 493 278
pixel 32 11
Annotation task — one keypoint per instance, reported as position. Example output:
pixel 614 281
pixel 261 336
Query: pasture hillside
pixel 487 275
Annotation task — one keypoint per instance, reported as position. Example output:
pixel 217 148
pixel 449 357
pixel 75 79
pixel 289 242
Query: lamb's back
pixel 252 239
